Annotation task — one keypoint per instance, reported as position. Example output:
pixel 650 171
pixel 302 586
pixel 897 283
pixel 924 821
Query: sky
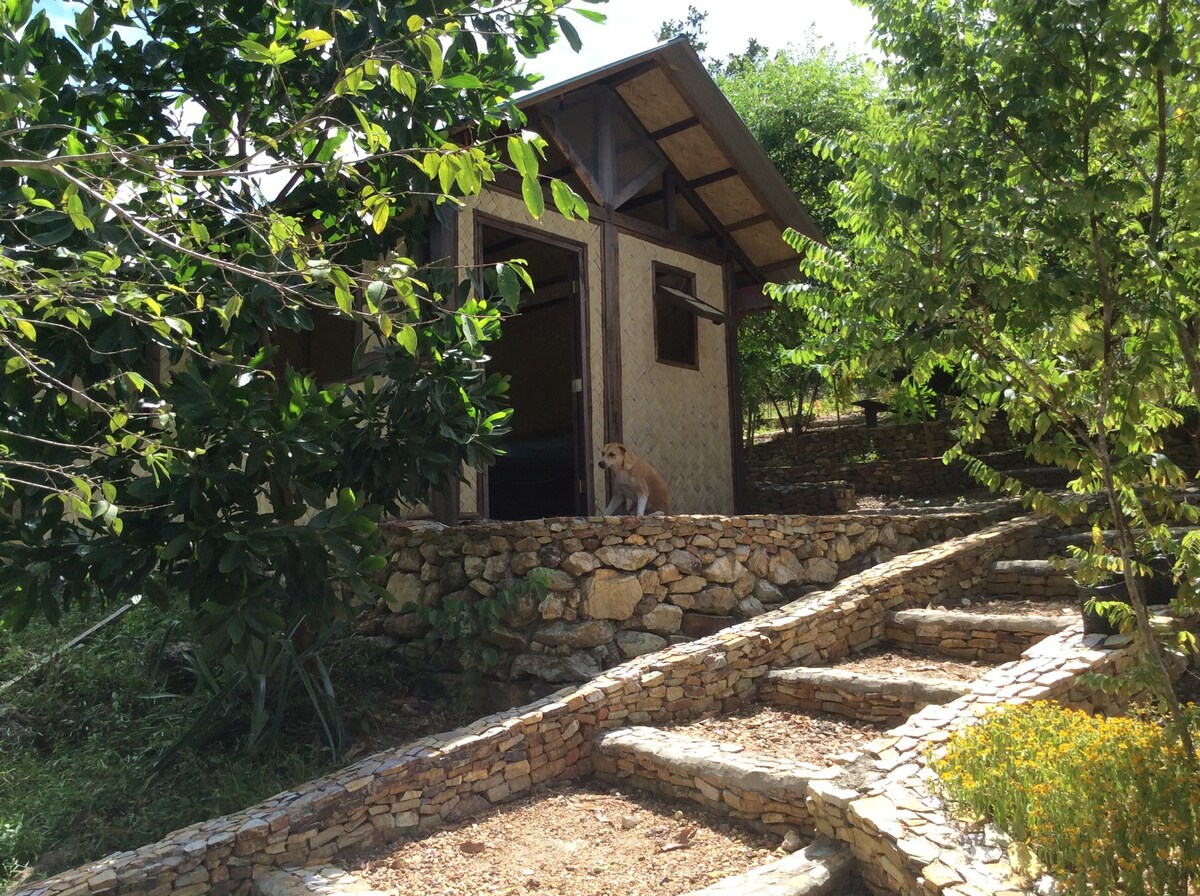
pixel 633 24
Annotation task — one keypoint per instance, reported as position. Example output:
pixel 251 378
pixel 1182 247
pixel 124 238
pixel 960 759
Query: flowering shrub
pixel 1108 805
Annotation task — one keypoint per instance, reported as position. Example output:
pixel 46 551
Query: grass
pixel 80 736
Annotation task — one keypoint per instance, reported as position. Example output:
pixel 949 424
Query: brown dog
pixel 637 486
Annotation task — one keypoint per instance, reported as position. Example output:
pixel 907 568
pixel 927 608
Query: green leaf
pixel 432 51
pixel 406 338
pixel 380 213
pixel 253 51
pixel 17 11
pixel 518 151
pixel 376 291
pixel 175 547
pixel 565 199
pixel 314 37
pixel 75 210
pixel 402 81
pixel 591 15
pixel 464 81
pixel 531 191
pixel 570 33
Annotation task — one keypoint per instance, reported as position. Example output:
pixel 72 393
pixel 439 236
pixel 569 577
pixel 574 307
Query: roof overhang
pixel 683 111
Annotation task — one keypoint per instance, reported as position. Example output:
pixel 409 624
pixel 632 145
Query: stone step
pixel 1028 580
pixel 325 880
pixel 857 695
pixel 764 792
pixel 1083 538
pixel 820 869
pixel 994 638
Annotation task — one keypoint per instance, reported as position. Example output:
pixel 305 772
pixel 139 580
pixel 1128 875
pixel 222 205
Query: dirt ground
pixel 891 660
pixel 782 733
pixel 576 839
pixel 1058 606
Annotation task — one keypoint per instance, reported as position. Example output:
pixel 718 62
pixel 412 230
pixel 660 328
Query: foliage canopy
pixel 1024 207
pixel 196 202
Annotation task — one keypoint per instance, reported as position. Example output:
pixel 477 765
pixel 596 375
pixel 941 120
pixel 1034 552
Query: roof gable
pixel 661 111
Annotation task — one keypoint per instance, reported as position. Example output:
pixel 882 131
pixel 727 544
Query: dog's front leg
pixel 642 499
pixel 614 504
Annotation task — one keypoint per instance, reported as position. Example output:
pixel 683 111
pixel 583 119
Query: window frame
pixel 659 299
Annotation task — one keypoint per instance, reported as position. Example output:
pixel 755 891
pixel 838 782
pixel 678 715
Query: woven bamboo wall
pixel 676 418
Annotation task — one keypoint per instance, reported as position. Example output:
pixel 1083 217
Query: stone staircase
pixel 766 792
pixel 866 817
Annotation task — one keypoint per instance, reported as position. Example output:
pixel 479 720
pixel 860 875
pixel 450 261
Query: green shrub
pixel 1108 805
pixel 87 780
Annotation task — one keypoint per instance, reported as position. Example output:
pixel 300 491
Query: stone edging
pixel 442 778
pixel 857 695
pixel 995 638
pixel 764 792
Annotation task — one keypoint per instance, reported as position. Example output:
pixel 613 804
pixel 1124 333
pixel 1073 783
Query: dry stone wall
pixel 829 446
pixel 447 777
pixel 622 587
pixel 994 638
pixel 886 803
pixel 881 803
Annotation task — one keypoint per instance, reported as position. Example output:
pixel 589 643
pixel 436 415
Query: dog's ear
pixel 624 456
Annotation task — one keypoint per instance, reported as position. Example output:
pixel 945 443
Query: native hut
pixel 631 333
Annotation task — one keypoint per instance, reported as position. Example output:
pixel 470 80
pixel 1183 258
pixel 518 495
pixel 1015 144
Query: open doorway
pixel 540 349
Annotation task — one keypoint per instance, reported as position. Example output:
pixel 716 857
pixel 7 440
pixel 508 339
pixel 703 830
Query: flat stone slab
pixel 819 869
pixel 325 880
pixel 719 764
pixel 919 689
pixel 957 620
pixel 1027 568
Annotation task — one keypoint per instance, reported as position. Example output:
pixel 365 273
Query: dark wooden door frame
pixel 581 337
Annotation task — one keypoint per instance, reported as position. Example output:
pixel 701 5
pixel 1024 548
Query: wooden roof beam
pixel 749 222
pixel 713 178
pixel 672 129
pixel 688 192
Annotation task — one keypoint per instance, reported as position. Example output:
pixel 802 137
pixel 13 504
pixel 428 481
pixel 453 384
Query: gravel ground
pixel 576 839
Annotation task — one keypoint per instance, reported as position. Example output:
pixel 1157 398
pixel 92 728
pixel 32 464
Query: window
pixel 675 337
pixel 326 350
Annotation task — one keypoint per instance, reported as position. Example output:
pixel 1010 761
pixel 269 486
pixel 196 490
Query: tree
pixel 790 101
pixel 1024 207
pixel 190 192
pixel 690 26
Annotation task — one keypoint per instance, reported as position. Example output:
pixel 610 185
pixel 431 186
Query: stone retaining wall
pixel 864 698
pixel 1029 580
pixel 801 497
pixel 970 636
pixel 621 587
pixel 447 777
pixel 759 791
pixel 918 478
pixel 829 446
